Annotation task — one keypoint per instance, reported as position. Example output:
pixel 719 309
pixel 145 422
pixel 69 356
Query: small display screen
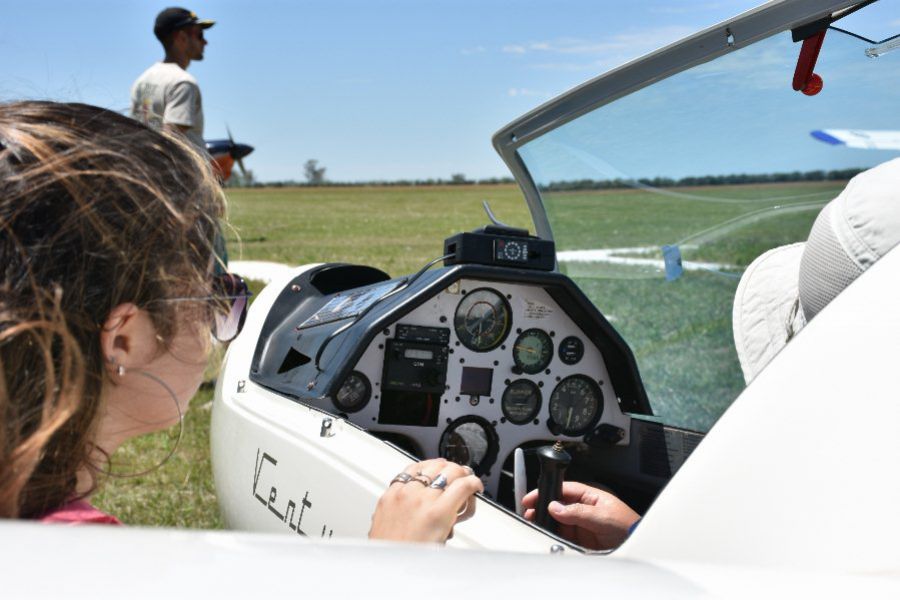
pixel 409 408
pixel 511 250
pixel 418 333
pixel 418 353
pixel 476 381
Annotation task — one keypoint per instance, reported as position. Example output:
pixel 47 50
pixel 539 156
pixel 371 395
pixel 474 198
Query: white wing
pixel 857 138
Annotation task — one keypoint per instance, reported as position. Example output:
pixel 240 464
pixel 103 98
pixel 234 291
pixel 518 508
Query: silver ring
pixel 439 483
pixel 464 509
pixel 401 478
pixel 423 479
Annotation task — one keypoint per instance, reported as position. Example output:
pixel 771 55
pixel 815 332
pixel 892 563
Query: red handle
pixel 806 62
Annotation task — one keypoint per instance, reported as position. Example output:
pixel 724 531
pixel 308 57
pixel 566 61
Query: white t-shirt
pixel 166 93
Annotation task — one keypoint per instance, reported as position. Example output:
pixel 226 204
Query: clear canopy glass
pixel 711 167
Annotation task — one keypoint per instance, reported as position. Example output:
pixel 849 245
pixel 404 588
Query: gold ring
pixel 465 508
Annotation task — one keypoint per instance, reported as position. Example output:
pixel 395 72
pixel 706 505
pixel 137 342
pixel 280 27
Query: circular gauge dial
pixel 521 401
pixel 533 351
pixel 571 350
pixel 575 405
pixel 354 394
pixel 482 320
pixel 470 441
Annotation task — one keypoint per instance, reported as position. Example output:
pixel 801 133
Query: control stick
pixel 554 461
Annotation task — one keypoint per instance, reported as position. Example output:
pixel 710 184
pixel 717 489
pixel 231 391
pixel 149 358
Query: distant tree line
pixel 315 176
pixel 314 173
pixel 701 180
pixel 456 179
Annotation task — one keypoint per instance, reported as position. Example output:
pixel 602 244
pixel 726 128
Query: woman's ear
pixel 128 337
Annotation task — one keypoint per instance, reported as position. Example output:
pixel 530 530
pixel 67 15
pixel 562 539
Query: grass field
pixel 394 229
pixel 680 331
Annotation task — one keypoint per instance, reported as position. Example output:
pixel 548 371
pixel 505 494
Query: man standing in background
pixel 165 95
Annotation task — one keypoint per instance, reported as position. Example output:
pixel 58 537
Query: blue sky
pixel 372 89
pixel 737 114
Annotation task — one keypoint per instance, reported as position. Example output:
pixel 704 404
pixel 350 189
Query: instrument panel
pixel 478 370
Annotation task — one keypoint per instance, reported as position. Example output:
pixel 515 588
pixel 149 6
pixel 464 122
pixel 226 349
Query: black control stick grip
pixel 554 461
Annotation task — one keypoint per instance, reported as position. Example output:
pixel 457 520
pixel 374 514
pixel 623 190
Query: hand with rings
pixel 425 501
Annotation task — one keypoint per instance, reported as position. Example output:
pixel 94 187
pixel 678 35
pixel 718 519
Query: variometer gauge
pixel 470 441
pixel 532 351
pixel 354 394
pixel 521 402
pixel 482 320
pixel 575 405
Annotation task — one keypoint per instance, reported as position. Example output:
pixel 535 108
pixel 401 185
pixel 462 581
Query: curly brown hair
pixel 96 210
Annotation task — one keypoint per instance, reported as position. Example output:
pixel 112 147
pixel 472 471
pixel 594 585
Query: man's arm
pixel 182 106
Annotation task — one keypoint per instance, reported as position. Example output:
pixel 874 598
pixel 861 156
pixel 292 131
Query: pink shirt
pixel 77 512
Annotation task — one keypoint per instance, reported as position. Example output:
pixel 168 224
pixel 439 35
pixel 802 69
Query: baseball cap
pixel 173 19
pixel 787 286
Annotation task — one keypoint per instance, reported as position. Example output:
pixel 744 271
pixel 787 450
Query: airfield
pixel 399 229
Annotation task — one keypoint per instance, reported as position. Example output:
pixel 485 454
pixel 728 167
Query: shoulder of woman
pixel 78 511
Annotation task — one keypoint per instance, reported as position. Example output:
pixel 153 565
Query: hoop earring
pixel 121 371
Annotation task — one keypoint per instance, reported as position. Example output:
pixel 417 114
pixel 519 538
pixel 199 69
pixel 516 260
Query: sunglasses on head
pixel 230 299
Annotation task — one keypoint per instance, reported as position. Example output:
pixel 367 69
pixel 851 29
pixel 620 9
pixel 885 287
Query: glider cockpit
pixel 651 188
pixel 469 362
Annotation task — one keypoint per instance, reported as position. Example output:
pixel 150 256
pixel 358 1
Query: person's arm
pixel 588 516
pixel 413 510
pixel 182 106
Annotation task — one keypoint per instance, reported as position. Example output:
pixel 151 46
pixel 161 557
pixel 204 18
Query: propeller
pixel 238 151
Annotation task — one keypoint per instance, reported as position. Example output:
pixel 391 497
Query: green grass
pixel 640 218
pixel 396 229
pixel 680 331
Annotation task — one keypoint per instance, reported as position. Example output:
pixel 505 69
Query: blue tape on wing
pixel 827 138
pixel 672 256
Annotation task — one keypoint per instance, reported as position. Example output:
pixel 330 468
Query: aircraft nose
pixel 239 151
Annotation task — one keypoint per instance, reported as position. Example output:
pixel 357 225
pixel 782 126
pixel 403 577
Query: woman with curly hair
pixel 108 295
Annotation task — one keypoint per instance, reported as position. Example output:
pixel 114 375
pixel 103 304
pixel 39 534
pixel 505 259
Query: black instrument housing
pixel 284 359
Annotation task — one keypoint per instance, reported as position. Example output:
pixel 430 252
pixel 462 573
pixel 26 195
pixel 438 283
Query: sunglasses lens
pixel 228 325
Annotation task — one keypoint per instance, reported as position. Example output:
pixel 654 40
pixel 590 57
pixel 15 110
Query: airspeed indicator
pixel 482 320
